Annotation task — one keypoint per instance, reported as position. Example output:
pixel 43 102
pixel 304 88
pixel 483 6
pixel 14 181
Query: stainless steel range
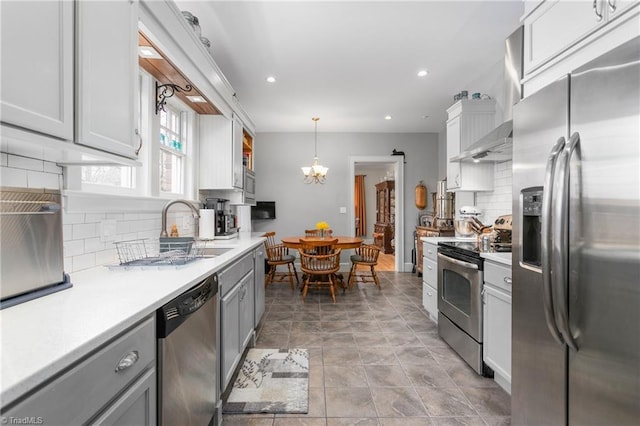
pixel 460 285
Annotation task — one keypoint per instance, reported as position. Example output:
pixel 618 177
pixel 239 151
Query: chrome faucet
pixel 194 210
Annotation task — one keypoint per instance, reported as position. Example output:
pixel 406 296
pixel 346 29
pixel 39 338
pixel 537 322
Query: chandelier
pixel 316 173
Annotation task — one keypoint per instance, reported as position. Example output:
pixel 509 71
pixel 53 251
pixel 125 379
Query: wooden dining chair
pixel 277 255
pixel 319 262
pixel 366 255
pixel 317 233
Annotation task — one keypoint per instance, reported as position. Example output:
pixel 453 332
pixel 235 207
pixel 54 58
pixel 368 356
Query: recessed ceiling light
pixel 271 79
pixel 423 73
pixel 197 99
pixel 148 52
pixel 387 117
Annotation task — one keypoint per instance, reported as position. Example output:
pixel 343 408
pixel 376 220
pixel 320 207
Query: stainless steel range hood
pixel 497 145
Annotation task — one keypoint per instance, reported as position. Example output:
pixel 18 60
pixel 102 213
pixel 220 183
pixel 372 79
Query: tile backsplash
pixel 498 202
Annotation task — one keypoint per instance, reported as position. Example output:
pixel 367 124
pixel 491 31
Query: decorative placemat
pixel 271 381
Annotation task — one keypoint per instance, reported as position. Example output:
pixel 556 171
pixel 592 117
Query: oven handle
pixel 546 244
pixel 458 262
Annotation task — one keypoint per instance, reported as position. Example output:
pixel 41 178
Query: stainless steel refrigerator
pixel 576 247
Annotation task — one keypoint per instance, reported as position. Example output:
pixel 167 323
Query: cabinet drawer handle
pixel 595 10
pixel 127 361
pixel 429 294
pixel 429 267
pixel 507 280
pixel 612 5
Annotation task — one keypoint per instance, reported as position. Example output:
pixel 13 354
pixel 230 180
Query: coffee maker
pixel 225 219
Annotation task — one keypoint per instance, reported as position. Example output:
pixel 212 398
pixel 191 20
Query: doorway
pixel 378 169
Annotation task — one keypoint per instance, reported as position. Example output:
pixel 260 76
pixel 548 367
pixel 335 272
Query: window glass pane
pixel 170 172
pixel 163 118
pixel 117 176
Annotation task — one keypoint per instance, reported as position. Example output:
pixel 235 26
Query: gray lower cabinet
pixel 114 385
pixel 136 406
pixel 258 276
pixel 229 334
pixel 247 307
pixel 237 310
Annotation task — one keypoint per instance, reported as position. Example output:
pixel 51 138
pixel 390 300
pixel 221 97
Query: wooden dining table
pixel 343 241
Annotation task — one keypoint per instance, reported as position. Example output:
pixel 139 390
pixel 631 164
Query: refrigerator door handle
pixel 547 281
pixel 561 241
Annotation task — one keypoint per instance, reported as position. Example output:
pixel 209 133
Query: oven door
pixel 460 294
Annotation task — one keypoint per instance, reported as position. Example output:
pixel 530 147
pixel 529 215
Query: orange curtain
pixel 360 207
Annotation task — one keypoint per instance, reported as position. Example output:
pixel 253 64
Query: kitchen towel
pixel 207 224
pixel 271 381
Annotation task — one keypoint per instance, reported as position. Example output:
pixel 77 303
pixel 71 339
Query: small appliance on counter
pixel 468 215
pixel 502 229
pixel 32 261
pixel 226 222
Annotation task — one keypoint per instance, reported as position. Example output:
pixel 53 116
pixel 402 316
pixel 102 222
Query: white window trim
pixel 82 201
pixel 145 197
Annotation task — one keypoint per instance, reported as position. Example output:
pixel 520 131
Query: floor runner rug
pixel 271 381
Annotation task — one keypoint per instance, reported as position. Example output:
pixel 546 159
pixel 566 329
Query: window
pixel 173 133
pixel 166 155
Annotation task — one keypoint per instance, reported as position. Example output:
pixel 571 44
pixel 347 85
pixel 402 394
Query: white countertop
pixel 41 337
pixel 504 258
pixel 436 240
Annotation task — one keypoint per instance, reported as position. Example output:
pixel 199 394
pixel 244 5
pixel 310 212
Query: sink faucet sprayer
pixel 194 210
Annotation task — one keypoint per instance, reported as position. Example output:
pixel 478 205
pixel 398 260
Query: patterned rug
pixel 271 381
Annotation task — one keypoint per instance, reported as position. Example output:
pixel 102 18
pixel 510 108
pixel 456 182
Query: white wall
pixel 279 157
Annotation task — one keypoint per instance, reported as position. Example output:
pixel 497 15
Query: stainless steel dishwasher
pixel 188 357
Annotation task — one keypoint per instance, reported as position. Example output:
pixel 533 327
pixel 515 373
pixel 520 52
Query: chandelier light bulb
pixel 315 173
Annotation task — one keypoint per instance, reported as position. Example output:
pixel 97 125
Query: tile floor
pixel 375 359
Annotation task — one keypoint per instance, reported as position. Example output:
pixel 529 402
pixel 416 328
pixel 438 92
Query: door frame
pixel 398 169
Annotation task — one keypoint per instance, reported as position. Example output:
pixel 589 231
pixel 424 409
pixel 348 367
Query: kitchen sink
pixel 213 251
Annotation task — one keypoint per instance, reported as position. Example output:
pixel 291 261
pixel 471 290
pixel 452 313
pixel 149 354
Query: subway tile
pixel 72 218
pixel 3 159
pixel 73 247
pixel 84 261
pixel 19 162
pixel 93 245
pixel 13 177
pixel 116 216
pixel 67 232
pixel 93 217
pixel 84 230
pixel 43 180
pixel 50 167
pixel 106 257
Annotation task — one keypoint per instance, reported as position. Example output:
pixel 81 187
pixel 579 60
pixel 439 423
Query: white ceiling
pixel 353 62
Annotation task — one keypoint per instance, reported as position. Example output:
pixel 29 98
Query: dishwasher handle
pixel 174 313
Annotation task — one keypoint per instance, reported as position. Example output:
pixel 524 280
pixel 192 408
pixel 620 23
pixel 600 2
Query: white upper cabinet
pixel 562 35
pixel 467 122
pixel 220 152
pixel 70 73
pixel 37 66
pixel 107 75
